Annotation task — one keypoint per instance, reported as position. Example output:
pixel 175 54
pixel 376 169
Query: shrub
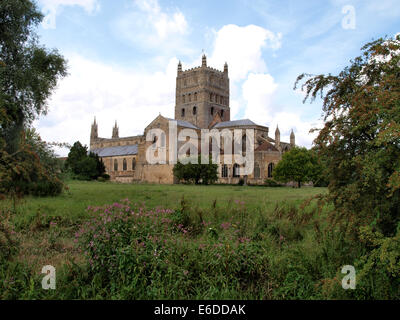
pixel 84 166
pixel 138 253
pixel 34 169
pixel 271 183
pixel 196 172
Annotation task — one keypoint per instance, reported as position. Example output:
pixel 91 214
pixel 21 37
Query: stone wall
pixel 205 89
pixel 120 174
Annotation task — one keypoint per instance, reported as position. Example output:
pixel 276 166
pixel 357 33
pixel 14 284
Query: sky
pixel 122 58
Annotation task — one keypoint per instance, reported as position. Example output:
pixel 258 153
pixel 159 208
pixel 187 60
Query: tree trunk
pixel 299 184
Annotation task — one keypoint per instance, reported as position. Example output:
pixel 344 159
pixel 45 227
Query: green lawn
pixel 71 204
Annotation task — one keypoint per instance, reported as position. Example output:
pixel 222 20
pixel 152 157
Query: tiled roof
pixel 266 146
pixel 242 122
pixel 185 124
pixel 116 151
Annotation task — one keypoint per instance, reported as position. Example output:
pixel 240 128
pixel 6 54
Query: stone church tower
pixel 201 93
pixel 115 134
pixel 94 132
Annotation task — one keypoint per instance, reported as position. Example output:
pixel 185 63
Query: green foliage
pixel 137 253
pixel 298 164
pixel 360 139
pixel 84 166
pixel 214 249
pixel 76 154
pixel 201 248
pixel 272 183
pixel 28 75
pixel 379 275
pixel 360 148
pixel 29 72
pixel 33 170
pixel 196 172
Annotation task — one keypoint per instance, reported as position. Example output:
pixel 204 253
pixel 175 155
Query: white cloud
pixel 242 48
pixel 288 121
pixel 163 23
pixel 51 8
pixel 234 105
pixel 258 91
pixel 150 26
pixel 134 99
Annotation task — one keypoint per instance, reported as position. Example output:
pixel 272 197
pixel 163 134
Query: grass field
pixel 220 242
pixel 72 203
pixel 69 209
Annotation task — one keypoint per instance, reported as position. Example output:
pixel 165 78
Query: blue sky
pixel 123 55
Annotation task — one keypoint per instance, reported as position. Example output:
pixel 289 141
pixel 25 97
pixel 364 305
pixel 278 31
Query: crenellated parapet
pixel 201 92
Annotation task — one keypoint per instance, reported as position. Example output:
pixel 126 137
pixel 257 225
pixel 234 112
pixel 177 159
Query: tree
pixel 75 155
pixel 360 139
pixel 34 170
pixel 28 74
pixel 318 175
pixel 84 166
pixel 196 172
pixel 100 167
pixel 296 165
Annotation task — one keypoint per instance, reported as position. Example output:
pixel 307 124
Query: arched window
pixel 195 96
pixel 220 100
pixel 224 171
pixel 235 170
pixel 183 112
pixel 183 98
pixel 194 110
pixel 211 96
pixel 133 164
pixel 190 97
pixel 216 98
pixel 270 169
pixel 115 165
pixel 244 142
pixel 222 113
pixel 212 110
pixel 124 165
pixel 256 171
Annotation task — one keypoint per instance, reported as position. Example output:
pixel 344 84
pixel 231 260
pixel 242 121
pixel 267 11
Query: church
pixel 201 102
